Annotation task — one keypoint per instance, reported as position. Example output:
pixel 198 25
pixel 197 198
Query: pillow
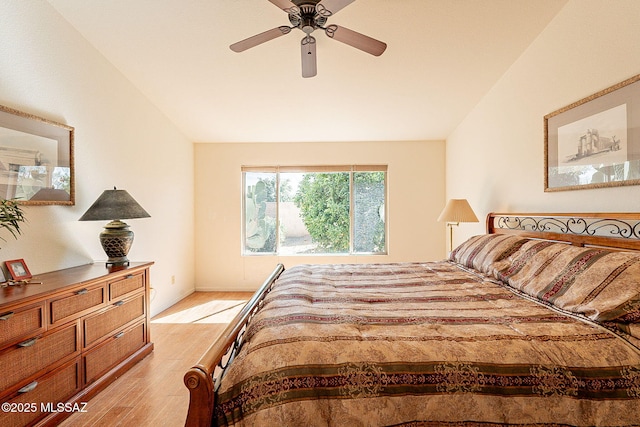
pixel 480 252
pixel 601 284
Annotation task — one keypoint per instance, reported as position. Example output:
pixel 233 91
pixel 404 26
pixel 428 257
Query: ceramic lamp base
pixel 116 240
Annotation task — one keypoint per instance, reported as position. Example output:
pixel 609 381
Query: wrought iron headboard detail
pixel 612 230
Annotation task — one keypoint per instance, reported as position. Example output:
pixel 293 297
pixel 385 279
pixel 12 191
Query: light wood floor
pixel 152 392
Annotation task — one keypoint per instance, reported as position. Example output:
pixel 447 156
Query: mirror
pixel 36 159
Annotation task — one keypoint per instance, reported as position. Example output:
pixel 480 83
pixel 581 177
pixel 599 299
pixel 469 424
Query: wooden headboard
pixel 608 230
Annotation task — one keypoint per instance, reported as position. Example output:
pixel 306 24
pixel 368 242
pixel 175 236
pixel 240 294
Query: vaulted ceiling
pixel 442 57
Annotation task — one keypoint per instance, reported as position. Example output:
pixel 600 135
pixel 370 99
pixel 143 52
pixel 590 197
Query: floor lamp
pixel 455 212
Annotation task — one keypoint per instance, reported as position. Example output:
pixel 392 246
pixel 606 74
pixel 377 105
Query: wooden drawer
pixel 113 351
pixel 43 359
pixel 29 357
pixel 125 285
pixel 21 323
pixel 110 320
pixel 75 304
pixel 57 386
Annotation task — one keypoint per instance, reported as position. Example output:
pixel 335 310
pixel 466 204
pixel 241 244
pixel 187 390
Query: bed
pixel 536 322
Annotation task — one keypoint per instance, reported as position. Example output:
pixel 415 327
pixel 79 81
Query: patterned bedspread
pixel 422 344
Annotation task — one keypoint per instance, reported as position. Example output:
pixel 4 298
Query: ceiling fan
pixel 308 16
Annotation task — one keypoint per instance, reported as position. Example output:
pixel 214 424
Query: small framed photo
pixel 18 269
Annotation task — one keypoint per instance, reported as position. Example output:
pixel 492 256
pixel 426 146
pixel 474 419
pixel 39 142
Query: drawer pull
pixel 28 387
pixel 119 303
pixel 28 343
pixel 82 291
pixel 129 276
pixel 119 335
pixel 7 316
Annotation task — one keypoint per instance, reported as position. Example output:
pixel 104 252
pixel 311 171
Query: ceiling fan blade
pixel 287 6
pixel 309 62
pixel 355 39
pixel 327 8
pixel 253 41
pixel 283 4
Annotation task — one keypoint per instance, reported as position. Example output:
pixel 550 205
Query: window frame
pixel 350 169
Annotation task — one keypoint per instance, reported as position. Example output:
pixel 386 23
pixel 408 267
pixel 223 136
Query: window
pixel 314 210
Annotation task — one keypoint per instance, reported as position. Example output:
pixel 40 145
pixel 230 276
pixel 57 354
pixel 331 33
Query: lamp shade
pixel 114 204
pixel 458 210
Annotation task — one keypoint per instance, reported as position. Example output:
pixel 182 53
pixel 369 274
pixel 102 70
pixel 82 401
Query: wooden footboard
pixel 203 378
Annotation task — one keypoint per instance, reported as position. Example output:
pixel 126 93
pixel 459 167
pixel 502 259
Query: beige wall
pixel 495 156
pixel 415 199
pixel 121 140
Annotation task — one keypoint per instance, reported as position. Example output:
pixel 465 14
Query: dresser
pixel 67 335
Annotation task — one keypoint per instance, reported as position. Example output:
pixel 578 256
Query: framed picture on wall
pixel 595 142
pixel 18 269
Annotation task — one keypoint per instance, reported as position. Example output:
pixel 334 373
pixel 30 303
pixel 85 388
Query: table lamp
pixel 116 238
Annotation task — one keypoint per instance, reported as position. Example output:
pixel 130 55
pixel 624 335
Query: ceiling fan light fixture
pixel 308 24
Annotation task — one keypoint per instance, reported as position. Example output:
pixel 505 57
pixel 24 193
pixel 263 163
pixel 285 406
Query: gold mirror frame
pixel 36 159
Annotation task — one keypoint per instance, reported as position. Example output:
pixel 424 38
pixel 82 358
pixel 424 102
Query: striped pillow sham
pixel 481 252
pixel 601 284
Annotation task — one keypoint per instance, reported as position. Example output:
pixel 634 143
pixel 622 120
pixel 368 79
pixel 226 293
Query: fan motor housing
pixel 308 20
